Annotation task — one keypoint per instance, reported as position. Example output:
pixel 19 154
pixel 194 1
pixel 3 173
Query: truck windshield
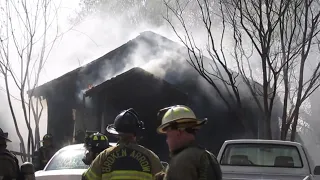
pixel 262 155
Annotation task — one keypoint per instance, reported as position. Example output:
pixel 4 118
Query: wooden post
pixel 83 110
pixel 101 120
pixel 103 126
pixel 74 114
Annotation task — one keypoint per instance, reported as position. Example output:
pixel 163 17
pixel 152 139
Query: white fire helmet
pixel 179 117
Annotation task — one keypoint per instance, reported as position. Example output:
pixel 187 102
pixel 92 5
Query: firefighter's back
pixel 129 161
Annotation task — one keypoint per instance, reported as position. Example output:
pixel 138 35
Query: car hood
pixel 64 174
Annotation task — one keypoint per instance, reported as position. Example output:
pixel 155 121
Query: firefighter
pixel 94 144
pixel 188 160
pixel 46 151
pixel 127 160
pixel 9 164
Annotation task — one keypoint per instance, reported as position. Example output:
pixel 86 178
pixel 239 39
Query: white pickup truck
pixel 248 159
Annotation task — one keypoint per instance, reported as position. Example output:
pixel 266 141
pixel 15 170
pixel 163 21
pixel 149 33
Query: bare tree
pixel 280 33
pixel 27 37
pixel 299 34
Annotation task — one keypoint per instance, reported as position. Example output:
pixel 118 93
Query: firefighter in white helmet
pixel 188 160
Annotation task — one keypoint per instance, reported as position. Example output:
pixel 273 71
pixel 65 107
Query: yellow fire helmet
pixel 178 117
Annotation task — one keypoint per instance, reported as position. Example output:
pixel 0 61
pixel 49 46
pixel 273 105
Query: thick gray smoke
pixel 120 28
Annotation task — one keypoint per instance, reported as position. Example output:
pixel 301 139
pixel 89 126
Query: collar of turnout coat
pixel 126 142
pixel 177 151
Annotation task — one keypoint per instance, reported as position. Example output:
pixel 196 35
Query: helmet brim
pixel 112 130
pixel 185 123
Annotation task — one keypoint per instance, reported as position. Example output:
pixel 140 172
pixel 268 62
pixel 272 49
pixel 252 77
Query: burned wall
pixel 61 102
pixel 144 93
pixel 60 120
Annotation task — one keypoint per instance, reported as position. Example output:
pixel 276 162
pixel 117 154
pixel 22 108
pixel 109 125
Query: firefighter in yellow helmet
pixel 127 160
pixel 9 165
pixel 94 144
pixel 188 161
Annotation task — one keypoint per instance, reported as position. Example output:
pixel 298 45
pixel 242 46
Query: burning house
pixel 89 97
pixel 136 89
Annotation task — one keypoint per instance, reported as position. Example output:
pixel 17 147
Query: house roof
pixel 147 37
pixel 134 77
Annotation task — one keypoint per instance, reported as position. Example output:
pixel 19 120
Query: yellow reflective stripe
pixel 103 138
pixel 125 174
pixel 91 175
pixel 95 138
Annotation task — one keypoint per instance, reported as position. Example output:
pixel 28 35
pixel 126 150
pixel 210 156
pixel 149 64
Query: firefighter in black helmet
pixel 94 144
pixel 45 152
pixel 9 165
pixel 127 160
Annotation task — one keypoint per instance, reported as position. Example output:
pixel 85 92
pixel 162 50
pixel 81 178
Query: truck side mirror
pixel 27 171
pixel 316 170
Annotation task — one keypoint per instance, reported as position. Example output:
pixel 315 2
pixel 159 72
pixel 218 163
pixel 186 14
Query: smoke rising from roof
pixel 160 60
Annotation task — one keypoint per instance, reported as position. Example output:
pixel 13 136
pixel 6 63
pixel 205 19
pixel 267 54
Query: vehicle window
pixel 68 159
pixel 266 155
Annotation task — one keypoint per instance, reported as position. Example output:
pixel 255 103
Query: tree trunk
pixel 268 129
pixel 294 128
pixel 22 147
pixel 26 118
